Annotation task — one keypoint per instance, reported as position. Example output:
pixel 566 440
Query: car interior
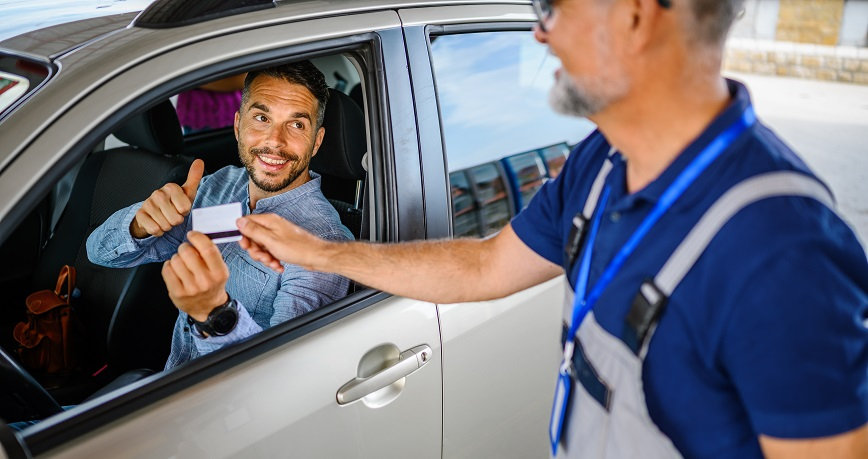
pixel 126 314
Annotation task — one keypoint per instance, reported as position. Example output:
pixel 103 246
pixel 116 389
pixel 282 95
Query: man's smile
pixel 272 161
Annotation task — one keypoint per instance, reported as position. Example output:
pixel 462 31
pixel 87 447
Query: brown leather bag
pixel 48 338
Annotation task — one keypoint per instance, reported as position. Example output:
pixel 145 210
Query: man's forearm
pixel 438 271
pixel 446 271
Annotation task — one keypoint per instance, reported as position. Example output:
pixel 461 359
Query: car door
pixel 481 80
pixel 358 378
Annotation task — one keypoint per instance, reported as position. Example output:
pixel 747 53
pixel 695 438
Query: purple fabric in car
pixel 202 109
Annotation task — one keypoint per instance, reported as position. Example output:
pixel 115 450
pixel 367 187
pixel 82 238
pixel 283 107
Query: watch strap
pixel 206 328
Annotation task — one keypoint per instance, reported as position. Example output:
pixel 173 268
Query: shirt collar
pixel 616 180
pixel 272 202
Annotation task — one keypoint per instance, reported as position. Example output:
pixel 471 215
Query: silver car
pixel 440 128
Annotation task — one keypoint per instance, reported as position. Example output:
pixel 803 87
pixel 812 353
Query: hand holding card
pixel 218 222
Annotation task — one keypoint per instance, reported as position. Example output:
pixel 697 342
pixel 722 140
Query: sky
pixel 19 16
pixel 486 91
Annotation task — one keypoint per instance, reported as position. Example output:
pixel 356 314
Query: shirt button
pixel 615 217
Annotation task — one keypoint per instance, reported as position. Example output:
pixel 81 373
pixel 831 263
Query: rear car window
pixel 18 78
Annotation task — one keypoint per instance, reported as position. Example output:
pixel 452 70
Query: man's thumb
pixel 193 177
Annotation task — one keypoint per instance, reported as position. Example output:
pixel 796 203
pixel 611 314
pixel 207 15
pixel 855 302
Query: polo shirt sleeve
pixel 544 225
pixel 796 344
pixel 538 225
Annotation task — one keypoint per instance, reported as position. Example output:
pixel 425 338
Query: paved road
pixel 827 124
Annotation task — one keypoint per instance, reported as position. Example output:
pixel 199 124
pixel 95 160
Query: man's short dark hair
pixel 303 73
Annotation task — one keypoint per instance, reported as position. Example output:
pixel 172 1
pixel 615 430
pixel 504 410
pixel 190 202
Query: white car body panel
pixel 500 363
pixel 282 404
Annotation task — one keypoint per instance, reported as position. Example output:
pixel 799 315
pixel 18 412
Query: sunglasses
pixel 543 10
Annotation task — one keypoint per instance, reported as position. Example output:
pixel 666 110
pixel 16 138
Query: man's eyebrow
pixel 301 115
pixel 259 106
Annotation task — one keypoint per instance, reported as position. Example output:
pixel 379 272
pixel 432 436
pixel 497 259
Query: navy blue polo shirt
pixel 767 332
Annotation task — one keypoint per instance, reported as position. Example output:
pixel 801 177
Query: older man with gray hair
pixel 717 304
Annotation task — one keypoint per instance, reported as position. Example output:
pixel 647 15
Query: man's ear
pixel 320 134
pixel 235 124
pixel 642 22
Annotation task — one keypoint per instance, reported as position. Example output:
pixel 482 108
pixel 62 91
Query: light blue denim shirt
pixel 265 298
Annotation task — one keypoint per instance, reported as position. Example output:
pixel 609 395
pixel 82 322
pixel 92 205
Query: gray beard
pixel 567 98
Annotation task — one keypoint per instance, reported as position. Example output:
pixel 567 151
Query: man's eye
pixel 261 118
pixel 298 125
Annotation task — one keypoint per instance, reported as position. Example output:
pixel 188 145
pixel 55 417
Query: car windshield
pixel 22 16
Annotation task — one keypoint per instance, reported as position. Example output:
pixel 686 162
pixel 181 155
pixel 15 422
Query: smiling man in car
pixel 717 304
pixel 222 294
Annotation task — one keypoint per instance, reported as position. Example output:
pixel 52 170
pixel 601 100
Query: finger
pixel 185 275
pixel 160 208
pixel 259 254
pixel 192 260
pixel 182 204
pixel 173 284
pixel 173 203
pixel 193 177
pixel 208 251
pixel 148 224
pixel 258 228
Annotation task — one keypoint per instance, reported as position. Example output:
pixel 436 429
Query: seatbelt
pixel 650 301
pixel 365 232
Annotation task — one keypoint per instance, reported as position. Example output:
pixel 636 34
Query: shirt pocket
pixel 248 284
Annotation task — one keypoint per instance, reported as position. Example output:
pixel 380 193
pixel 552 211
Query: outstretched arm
pixel 852 444
pixel 446 271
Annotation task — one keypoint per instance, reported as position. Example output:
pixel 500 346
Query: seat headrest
pixel 344 143
pixel 156 129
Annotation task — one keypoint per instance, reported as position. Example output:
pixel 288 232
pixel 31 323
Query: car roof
pixel 50 43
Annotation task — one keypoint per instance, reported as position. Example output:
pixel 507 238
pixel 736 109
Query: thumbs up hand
pixel 167 207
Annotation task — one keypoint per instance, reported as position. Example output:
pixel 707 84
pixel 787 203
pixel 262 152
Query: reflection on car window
pixel 498 126
pixel 555 156
pixel 527 175
pixel 465 213
pixel 491 194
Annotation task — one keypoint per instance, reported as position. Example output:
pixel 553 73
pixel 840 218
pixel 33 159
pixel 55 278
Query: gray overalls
pixel 608 417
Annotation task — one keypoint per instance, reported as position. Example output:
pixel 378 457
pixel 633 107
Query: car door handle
pixel 409 361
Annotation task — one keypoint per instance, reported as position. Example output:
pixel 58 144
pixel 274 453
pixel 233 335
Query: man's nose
pixel 539 34
pixel 276 136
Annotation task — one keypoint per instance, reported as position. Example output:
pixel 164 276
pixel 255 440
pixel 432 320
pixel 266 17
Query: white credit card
pixel 218 222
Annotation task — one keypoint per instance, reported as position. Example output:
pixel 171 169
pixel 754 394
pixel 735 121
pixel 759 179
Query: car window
pixel 502 139
pixel 127 320
pixel 18 77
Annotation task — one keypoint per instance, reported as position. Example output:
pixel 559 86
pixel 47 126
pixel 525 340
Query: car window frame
pixel 367 50
pixel 432 31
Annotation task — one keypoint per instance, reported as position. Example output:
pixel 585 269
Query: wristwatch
pixel 220 321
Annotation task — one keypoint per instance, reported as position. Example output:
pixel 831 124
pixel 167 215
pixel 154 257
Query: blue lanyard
pixel 584 302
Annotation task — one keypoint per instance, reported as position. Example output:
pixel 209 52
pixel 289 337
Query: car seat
pixel 127 314
pixel 339 159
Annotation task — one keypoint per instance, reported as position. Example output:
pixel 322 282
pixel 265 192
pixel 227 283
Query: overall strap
pixel 580 220
pixel 650 302
pixel 597 186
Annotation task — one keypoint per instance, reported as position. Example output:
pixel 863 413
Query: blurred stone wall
pixel 810 21
pixel 805 45
pixel 831 63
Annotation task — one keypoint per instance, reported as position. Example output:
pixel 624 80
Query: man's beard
pixel 591 94
pixel 568 98
pixel 296 167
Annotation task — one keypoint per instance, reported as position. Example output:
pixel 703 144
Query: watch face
pixel 224 321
